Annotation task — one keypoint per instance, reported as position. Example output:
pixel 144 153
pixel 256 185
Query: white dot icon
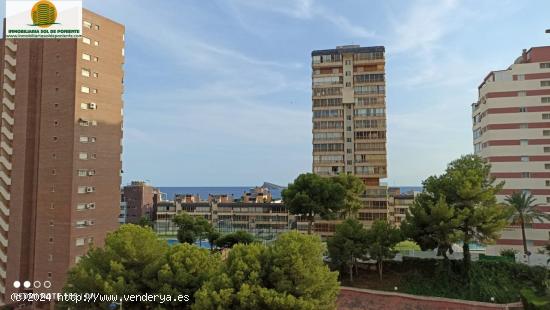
pixel 16 284
pixel 27 284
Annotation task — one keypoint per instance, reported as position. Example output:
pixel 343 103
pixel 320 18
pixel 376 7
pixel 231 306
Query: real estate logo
pixel 43 14
pixel 43 19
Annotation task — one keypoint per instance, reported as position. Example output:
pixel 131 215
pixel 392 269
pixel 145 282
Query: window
pixel 544 83
pixel 96 27
pixel 94 90
pixel 548 200
pixel 348 139
pixel 85 89
pixel 96 74
pixel 87 24
pixel 523 109
pixel 546 166
pixel 523 126
pixel 348 73
pixel 348 128
pixel 545 100
pixel 547 183
pixel 520 77
pixel 522 93
pixel 80 224
pixel 82 189
pixel 80 206
pixel 546 132
pixel 545 115
pixel 523 142
pixel 348 84
pixel 83 155
pixel 82 172
pixel 86 57
pixel 96 59
pixel 54 172
pixel 546 149
pixel 86 72
pixel 525 158
pixel 86 40
pixel 348 151
pixel 525 175
pixel 96 43
pixel 79 241
pixel 93 156
pixel 348 62
pixel 545 65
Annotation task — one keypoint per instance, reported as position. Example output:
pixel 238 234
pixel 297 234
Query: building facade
pixel 511 129
pixel 262 218
pixel 138 196
pixel 60 151
pixel 349 123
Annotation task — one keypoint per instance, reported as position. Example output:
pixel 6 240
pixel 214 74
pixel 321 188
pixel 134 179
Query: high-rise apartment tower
pixel 349 122
pixel 511 129
pixel 60 151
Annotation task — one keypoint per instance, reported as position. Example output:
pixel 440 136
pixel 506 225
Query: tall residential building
pixel 511 129
pixel 60 151
pixel 349 122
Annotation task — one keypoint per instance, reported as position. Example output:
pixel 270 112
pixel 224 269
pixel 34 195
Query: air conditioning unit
pixel 90 189
pixel 90 206
pixel 92 105
pixel 91 172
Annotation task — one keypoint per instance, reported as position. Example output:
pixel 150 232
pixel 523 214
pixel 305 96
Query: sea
pixel 237 191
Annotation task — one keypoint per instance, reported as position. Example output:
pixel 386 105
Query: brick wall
pixel 362 299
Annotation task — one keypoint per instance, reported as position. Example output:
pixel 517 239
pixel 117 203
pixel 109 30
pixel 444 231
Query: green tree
pixel 184 271
pixel 192 228
pixel 348 244
pixel 145 221
pixel 524 212
pixel 311 195
pixel 354 189
pixel 287 274
pixel 213 236
pixel 229 240
pixel 432 224
pixel 468 188
pixel 127 264
pixel 382 238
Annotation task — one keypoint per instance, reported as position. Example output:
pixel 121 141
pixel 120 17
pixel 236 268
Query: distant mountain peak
pixel 273 186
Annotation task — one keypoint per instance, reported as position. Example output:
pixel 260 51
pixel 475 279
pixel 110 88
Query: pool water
pixel 204 244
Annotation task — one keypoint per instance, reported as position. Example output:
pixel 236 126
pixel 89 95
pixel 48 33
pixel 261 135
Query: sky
pixel 218 93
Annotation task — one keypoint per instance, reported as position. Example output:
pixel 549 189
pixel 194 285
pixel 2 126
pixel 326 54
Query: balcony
pixel 10 60
pixel 9 89
pixel 8 103
pixel 12 46
pixel 9 74
pixel 5 211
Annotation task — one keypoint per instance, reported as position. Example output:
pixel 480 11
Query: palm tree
pixel 525 212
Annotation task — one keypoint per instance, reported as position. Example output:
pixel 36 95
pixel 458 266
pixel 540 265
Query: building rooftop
pixel 349 49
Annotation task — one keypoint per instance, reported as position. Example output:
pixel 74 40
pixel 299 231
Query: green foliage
pixel 498 279
pixel 432 225
pixel 348 244
pixel 229 240
pixel 312 195
pixel 288 274
pixel 192 228
pixel 381 239
pixel 465 196
pixel 509 253
pixel 524 212
pixel 354 189
pixel 407 245
pixel 184 271
pixel 127 264
pixel 533 301
pixel 145 221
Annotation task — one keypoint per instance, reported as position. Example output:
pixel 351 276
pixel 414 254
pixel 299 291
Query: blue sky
pixel 218 92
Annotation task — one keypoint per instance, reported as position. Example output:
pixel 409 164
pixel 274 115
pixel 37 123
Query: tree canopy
pixel 348 244
pixel 287 274
pixel 312 195
pixel 354 188
pixel 381 239
pixel 229 240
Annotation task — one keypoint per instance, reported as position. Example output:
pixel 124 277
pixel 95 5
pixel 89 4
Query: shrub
pixel 531 301
pixel 509 253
